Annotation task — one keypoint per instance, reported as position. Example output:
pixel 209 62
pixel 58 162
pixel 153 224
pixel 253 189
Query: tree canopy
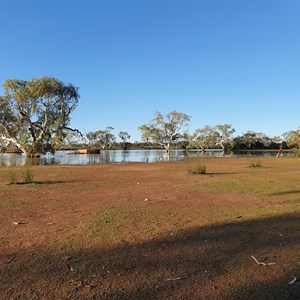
pixel 165 130
pixel 35 114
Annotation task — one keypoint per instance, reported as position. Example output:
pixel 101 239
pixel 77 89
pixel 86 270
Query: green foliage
pixel 197 169
pixel 35 114
pixel 103 138
pixel 255 163
pixel 165 130
pixel 27 175
pixel 204 138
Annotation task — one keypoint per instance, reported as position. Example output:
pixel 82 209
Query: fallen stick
pixel 173 279
pixel 293 280
pixel 263 263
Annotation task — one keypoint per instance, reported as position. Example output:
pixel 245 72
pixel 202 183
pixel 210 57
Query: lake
pixel 120 156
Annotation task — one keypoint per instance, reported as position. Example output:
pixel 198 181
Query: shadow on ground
pixel 212 262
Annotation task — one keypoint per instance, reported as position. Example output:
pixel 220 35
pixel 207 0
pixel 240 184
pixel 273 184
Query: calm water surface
pixel 116 156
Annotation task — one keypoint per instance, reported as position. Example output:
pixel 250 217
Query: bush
pixel 27 175
pixel 196 170
pixel 255 163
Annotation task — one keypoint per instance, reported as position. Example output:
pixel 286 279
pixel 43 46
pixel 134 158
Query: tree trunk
pixel 168 148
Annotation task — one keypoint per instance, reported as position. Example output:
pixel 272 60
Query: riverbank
pixel 152 231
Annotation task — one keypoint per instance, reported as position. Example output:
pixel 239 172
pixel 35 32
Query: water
pixel 118 156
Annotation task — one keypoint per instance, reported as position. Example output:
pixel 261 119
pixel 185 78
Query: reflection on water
pixel 116 156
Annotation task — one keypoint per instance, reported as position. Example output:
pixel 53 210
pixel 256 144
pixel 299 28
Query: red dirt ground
pixel 151 231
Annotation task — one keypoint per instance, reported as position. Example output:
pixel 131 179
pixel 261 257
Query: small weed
pixel 198 169
pixel 107 217
pixel 13 178
pixel 256 163
pixel 27 175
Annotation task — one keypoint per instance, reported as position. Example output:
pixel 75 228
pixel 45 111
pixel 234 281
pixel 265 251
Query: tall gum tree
pixel 35 114
pixel 224 135
pixel 204 138
pixel 165 130
pixel 124 136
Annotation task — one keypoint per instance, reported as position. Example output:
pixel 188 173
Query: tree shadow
pixel 38 182
pixel 285 193
pixel 211 262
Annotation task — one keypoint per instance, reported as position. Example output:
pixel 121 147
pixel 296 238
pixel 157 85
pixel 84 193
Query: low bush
pixel 198 169
pixel 27 175
pixel 256 163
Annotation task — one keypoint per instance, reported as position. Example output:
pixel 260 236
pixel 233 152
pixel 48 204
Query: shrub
pixel 255 163
pixel 27 175
pixel 198 169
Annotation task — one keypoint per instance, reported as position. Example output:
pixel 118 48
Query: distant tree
pixel 204 138
pixel 91 137
pixel 105 137
pixel 35 114
pixel 72 139
pixel 292 138
pixel 224 135
pixel 165 130
pixel 124 136
pixel 249 139
pixel 276 142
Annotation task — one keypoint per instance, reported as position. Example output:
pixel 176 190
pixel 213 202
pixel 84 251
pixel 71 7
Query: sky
pixel 235 62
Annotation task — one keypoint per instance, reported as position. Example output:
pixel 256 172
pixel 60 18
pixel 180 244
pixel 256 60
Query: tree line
pixel 35 117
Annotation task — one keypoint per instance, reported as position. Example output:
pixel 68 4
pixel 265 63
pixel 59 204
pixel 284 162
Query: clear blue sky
pixel 234 62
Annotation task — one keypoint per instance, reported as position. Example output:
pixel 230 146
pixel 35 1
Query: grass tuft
pixel 255 163
pixel 197 169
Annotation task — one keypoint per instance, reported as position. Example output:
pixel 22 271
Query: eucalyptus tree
pixel 72 139
pixel 204 138
pixel 124 136
pixel 105 137
pixel 224 135
pixel 292 138
pixel 249 139
pixel 35 114
pixel 165 130
pixel 91 138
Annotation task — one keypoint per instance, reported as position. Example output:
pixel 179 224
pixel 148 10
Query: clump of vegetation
pixel 297 153
pixel 256 163
pixel 197 169
pixel 27 175
pixel 13 178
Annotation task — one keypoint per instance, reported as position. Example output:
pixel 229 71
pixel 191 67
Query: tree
pixel 292 138
pixel 105 137
pixel 35 114
pixel 224 135
pixel 72 139
pixel 205 137
pixel 91 138
pixel 250 138
pixel 165 130
pixel 124 136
